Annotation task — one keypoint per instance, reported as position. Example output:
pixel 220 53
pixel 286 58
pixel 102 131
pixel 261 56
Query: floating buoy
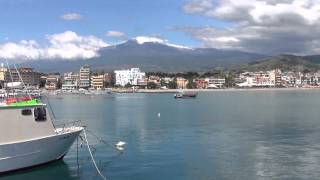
pixel 120 145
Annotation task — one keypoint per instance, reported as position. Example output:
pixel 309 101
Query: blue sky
pixel 33 19
pixel 73 29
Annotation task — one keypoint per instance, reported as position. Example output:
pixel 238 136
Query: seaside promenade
pixel 123 90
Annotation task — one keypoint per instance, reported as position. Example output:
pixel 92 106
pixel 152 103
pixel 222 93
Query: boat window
pixel 40 114
pixel 26 112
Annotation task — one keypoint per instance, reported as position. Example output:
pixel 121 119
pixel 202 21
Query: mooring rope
pixel 101 140
pixel 94 162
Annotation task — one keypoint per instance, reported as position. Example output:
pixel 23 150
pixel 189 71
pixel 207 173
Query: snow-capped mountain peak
pixel 147 39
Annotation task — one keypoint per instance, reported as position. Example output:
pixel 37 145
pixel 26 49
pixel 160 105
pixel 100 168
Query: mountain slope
pixel 283 62
pixel 151 55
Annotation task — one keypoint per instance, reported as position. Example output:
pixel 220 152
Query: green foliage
pixel 283 62
pixel 163 83
pixel 214 73
pixel 191 84
pixel 109 83
pixel 128 85
pixel 173 84
pixel 151 85
pixel 230 80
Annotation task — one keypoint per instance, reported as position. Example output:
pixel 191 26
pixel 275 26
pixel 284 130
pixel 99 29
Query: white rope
pixel 85 137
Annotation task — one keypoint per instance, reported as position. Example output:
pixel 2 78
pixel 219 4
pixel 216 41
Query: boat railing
pixel 67 126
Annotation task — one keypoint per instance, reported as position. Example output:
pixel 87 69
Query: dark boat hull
pixel 185 95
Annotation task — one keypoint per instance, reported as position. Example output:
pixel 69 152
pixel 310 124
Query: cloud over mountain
pixel 66 45
pixel 265 26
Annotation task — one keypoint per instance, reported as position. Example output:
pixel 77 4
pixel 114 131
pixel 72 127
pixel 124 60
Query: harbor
pixel 160 90
pixel 219 135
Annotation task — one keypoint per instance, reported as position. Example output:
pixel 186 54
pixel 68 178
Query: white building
pixel 250 82
pixel 97 81
pixel 84 77
pixel 215 82
pixel 261 79
pixel 70 81
pixel 131 76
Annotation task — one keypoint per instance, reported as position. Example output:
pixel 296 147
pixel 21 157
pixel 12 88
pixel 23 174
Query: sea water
pixel 247 135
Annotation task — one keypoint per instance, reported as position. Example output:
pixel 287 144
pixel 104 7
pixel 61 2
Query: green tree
pixel 230 80
pixel 163 83
pixel 191 84
pixel 173 84
pixel 128 85
pixel 110 82
pixel 151 85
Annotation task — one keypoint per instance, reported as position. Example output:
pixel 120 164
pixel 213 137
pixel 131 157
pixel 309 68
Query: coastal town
pixel 135 78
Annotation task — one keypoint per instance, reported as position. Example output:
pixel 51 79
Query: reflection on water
pixel 50 172
pixel 218 135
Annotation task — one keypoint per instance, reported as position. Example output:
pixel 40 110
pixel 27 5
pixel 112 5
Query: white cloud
pixel 198 6
pixel 21 50
pixel 115 34
pixel 146 39
pixel 66 45
pixel 151 39
pixel 71 16
pixel 265 26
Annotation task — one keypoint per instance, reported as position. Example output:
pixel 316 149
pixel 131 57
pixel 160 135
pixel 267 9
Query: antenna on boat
pixel 10 76
pixel 24 85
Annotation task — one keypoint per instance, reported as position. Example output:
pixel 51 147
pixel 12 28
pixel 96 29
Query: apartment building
pixel 133 76
pixel 84 77
pixel 97 81
pixel 215 82
pixel 182 83
pixel 29 77
pixel 70 81
pixel 52 82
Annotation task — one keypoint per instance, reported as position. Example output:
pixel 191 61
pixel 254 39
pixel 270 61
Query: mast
pixel 10 76
pixel 24 85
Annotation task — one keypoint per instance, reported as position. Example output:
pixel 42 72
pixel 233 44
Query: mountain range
pixel 284 62
pixel 151 55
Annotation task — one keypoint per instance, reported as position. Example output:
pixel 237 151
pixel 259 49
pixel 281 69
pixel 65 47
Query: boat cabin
pixel 23 120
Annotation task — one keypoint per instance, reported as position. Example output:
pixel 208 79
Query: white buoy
pixel 120 145
pixel 159 114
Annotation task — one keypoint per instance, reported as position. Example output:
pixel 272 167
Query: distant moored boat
pixel 186 94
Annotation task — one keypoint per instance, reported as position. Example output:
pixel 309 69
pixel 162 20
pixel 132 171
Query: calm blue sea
pixel 246 135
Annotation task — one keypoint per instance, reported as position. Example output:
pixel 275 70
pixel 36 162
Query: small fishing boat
pixel 28 135
pixel 186 94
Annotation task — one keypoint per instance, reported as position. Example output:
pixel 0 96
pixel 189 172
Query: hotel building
pixel 131 76
pixel 84 77
pixel 97 82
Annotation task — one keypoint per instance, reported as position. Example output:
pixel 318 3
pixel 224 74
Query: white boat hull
pixel 21 155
